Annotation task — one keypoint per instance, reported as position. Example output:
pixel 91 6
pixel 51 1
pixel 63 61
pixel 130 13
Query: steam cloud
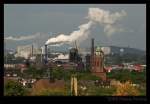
pixel 61 56
pixel 106 19
pixel 95 15
pixel 84 30
pixel 23 37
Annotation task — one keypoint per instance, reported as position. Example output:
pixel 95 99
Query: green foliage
pixel 12 88
pixel 142 90
pixel 12 60
pixel 87 76
pixel 9 56
pixel 93 90
pixel 34 73
pixel 12 70
pixel 58 73
pixel 53 92
pixel 124 75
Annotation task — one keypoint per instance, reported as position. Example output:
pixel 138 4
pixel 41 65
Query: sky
pixel 36 23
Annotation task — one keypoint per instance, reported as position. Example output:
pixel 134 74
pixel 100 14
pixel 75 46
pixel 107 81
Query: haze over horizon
pixel 35 23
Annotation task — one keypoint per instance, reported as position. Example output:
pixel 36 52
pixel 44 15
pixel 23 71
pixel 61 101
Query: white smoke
pixel 106 19
pixel 23 37
pixel 103 16
pixel 62 56
pixel 95 15
pixel 56 44
pixel 75 35
pixel 111 29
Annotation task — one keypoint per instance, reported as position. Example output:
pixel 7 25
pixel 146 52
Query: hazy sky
pixel 52 19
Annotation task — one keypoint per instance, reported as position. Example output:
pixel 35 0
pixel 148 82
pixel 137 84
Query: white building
pixel 26 51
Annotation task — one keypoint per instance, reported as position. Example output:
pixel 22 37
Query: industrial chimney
pixel 92 47
pixel 32 50
pixel 46 53
pixel 92 52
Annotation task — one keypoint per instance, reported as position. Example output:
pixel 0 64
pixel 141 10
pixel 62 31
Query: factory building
pixel 97 61
pixel 44 54
pixel 87 62
pixel 76 58
pixel 27 51
pixel 74 55
pixel 24 51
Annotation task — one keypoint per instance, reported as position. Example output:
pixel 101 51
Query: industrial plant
pixel 95 70
pixel 92 62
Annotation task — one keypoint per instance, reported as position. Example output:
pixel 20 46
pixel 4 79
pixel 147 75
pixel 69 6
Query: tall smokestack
pixel 92 47
pixel 46 53
pixel 32 50
pixel 92 52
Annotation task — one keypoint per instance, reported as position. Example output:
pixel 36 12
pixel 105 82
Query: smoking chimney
pixel 46 53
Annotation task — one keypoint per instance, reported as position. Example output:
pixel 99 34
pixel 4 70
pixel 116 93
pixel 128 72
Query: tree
pixel 13 88
pixel 58 73
pixel 34 72
pixel 124 75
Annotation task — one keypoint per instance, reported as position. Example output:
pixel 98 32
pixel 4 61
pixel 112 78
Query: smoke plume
pixel 95 16
pixel 83 32
pixel 106 19
pixel 23 37
pixel 62 56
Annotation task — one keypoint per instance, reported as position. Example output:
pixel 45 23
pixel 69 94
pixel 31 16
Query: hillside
pixel 116 49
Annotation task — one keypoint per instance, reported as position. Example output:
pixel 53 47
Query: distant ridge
pixel 126 50
pixel 116 49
